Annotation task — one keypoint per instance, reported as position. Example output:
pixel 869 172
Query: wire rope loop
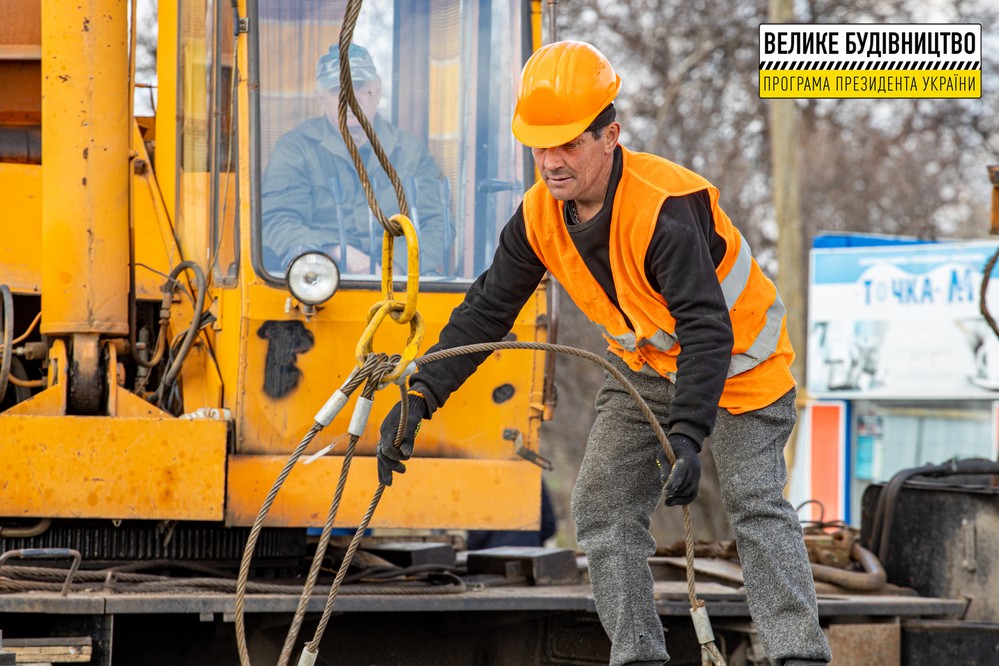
pixel 376 314
pixel 412 265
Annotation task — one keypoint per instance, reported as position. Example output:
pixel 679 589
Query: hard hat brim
pixel 549 136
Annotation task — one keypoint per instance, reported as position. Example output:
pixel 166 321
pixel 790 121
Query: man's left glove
pixel 683 478
pixel 390 458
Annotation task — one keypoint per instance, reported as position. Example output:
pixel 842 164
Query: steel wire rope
pixel 313 645
pixel 709 651
pixel 118 580
pixel 635 395
pixel 374 368
pixel 348 98
pixel 218 585
pixel 353 380
pixel 311 649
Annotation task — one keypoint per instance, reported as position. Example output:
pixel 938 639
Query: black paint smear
pixel 285 341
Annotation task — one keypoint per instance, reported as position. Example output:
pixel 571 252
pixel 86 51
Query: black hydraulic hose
pixel 885 512
pixel 983 291
pixel 8 338
pixel 192 331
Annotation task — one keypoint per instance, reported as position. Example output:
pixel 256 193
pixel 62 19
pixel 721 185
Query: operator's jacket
pixel 310 186
pixel 665 275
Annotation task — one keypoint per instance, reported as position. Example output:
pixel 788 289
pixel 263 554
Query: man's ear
pixel 611 136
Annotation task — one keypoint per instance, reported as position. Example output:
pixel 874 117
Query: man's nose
pixel 552 159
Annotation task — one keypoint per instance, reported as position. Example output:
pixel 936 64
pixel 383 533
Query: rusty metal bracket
pixel 969 557
pixel 47 554
pixel 530 455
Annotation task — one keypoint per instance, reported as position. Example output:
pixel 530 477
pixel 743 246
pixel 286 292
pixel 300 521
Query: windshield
pixel 438 80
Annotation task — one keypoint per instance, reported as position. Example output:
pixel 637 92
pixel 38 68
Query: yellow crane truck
pixel 159 366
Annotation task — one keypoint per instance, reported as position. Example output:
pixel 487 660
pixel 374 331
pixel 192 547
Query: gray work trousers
pixel 619 487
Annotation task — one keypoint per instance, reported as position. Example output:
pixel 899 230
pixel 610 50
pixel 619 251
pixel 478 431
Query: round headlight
pixel 313 278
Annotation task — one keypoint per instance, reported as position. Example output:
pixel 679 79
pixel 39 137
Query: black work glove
pixel 390 458
pixel 682 479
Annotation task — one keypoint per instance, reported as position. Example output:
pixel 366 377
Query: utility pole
pixel 792 277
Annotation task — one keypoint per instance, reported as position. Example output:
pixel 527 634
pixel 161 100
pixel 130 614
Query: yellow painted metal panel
pixel 201 381
pixel 155 247
pixel 228 343
pixel 463 454
pixel 21 249
pixel 497 397
pixel 85 127
pixel 433 493
pixel 111 467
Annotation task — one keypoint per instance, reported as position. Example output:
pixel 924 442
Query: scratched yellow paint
pixel 111 467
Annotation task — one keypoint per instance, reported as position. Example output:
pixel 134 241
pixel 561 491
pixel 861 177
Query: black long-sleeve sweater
pixel 680 264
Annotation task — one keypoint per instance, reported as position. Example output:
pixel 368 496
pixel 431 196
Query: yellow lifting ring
pixel 413 268
pixel 375 316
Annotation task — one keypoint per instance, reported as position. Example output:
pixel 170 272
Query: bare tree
pixel 909 166
pixel 146 36
pixel 690 93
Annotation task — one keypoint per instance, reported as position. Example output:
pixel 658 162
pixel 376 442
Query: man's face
pixel 369 94
pixel 579 169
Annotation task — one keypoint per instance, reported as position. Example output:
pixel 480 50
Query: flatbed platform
pixel 671 600
pixel 521 607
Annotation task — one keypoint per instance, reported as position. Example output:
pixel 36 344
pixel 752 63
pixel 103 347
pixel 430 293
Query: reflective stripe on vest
pixel 661 340
pixel 766 340
pixel 737 278
pixel 765 343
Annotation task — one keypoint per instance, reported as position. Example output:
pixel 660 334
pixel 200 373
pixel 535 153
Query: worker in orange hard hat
pixel 647 253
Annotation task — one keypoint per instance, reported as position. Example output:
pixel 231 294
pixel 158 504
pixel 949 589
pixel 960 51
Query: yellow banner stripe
pixel 877 84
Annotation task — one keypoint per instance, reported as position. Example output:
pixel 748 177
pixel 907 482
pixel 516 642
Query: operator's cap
pixel 563 87
pixel 362 68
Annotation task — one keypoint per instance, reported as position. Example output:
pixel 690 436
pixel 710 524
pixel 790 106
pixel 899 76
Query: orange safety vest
pixel 761 356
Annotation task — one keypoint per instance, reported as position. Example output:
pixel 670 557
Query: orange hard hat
pixel 563 87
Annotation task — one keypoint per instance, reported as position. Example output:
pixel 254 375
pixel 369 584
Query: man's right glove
pixel 682 479
pixel 390 458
